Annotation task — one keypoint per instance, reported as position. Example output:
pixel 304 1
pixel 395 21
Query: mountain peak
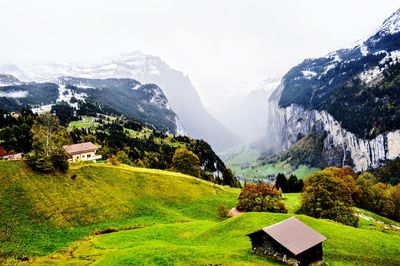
pixel 391 25
pixel 8 80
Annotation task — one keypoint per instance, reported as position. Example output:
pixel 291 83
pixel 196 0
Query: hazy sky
pixel 219 44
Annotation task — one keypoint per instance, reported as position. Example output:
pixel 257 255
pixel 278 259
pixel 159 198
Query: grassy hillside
pixel 223 243
pixel 134 216
pixel 40 213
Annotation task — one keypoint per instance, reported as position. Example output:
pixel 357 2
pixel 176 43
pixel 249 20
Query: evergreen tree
pixel 281 182
pixel 228 178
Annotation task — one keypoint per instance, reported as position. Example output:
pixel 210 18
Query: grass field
pixel 41 213
pixel 86 122
pixel 244 161
pixel 132 216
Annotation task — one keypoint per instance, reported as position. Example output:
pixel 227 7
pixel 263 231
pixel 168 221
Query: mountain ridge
pixel 145 102
pixel 177 87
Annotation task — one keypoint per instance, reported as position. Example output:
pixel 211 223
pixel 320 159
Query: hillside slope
pixel 224 243
pixel 135 216
pixel 41 213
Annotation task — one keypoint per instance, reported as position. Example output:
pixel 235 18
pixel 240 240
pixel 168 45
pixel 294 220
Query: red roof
pixel 80 148
pixel 294 235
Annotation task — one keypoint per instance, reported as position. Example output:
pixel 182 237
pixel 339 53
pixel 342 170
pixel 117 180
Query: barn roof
pixel 294 235
pixel 79 148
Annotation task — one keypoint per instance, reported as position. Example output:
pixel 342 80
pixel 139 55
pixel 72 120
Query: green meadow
pixel 245 162
pixel 109 215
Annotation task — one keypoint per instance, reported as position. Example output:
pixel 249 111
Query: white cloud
pixel 14 94
pixel 217 43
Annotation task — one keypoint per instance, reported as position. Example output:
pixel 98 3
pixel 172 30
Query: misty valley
pixel 123 160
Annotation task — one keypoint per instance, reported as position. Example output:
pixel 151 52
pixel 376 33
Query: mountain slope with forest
pixel 351 94
pixel 146 69
pixel 144 102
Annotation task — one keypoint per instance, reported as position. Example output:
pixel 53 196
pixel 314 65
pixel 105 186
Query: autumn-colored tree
pixel 260 197
pixel 186 162
pixel 329 194
pixel 395 195
pixel 376 197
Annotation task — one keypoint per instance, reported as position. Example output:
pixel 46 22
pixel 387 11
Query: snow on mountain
pixel 349 96
pixel 180 92
pixel 8 80
pixel 390 26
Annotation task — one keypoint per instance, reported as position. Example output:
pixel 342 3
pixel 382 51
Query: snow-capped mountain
pixel 350 98
pixel 8 80
pixel 177 87
pixel 146 103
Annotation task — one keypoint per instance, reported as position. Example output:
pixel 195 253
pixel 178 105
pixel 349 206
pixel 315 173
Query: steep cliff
pixel 340 147
pixel 351 96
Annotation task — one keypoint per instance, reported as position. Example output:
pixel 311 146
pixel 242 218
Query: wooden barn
pixel 290 241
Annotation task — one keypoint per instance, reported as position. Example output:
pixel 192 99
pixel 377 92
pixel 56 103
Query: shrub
pixel 123 158
pixel 222 211
pixel 114 160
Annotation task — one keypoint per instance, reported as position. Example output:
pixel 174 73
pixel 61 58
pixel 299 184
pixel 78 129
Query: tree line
pixel 41 138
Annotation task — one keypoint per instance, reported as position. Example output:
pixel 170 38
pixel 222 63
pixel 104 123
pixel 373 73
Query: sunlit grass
pixel 160 218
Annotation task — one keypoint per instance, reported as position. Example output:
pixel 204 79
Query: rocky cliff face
pixel 341 147
pixel 350 95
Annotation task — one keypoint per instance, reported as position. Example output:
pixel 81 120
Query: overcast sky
pixel 218 43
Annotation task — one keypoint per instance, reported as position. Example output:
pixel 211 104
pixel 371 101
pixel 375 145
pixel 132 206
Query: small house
pixel 290 241
pixel 82 152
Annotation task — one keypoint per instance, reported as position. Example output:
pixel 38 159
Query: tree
pixel 329 194
pixel 228 178
pixel 281 182
pixel 186 162
pixel 260 197
pixel 48 138
pixel 16 134
pixel 376 197
pixel 123 158
pixel 395 195
pixel 291 185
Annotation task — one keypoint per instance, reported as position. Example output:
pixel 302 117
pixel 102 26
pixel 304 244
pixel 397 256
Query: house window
pixel 89 155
